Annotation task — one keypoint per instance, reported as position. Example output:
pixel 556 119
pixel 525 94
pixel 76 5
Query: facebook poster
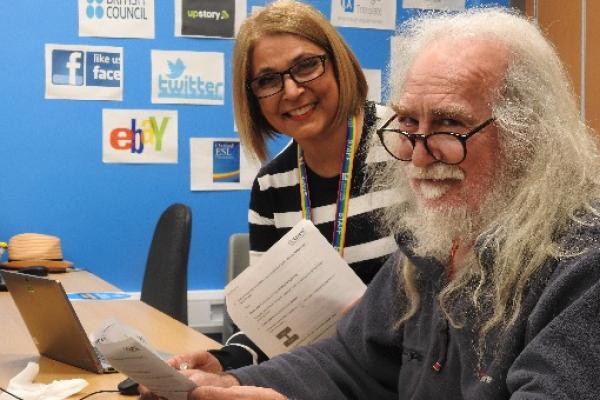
pixel 84 72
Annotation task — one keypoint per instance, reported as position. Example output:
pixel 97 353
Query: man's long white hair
pixel 551 162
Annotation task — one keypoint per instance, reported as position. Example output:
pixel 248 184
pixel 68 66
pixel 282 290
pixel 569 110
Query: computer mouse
pixel 38 270
pixel 128 387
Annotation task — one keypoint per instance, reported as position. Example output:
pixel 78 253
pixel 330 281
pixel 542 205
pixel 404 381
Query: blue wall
pixel 52 179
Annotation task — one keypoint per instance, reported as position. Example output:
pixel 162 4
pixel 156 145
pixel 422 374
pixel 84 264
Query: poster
pixel 120 19
pixel 80 72
pixel 139 136
pixel 209 18
pixel 220 164
pixel 373 77
pixel 446 5
pixel 375 14
pixel 188 77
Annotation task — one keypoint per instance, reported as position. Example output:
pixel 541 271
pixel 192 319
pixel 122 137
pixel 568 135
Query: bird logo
pixel 175 68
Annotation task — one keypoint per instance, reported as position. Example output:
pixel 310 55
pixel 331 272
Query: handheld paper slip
pixel 130 354
pixel 296 294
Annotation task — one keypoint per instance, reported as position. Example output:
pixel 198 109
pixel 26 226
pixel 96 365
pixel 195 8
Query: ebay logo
pixel 139 134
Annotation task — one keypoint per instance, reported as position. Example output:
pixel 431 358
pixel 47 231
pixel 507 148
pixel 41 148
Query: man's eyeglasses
pixel 446 147
pixel 302 72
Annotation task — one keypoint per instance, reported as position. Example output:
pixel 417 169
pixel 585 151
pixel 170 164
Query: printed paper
pixel 117 18
pixel 129 353
pixel 376 14
pixel 79 72
pixel 139 136
pixel 295 294
pixel 448 5
pixel 220 164
pixel 188 77
pixel 209 18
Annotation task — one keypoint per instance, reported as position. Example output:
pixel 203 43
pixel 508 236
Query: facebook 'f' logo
pixel 67 67
pixel 348 5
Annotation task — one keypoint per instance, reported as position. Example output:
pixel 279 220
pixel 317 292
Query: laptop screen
pixel 51 320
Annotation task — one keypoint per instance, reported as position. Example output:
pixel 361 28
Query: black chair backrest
pixel 165 278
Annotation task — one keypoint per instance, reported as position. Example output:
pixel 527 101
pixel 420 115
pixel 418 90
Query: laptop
pixel 52 321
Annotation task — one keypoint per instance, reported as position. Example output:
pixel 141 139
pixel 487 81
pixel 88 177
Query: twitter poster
pixel 188 77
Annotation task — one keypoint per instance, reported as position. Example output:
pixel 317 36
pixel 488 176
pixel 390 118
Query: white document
pixel 295 294
pixel 129 353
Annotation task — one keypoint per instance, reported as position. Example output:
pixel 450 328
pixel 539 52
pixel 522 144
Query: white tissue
pixel 22 385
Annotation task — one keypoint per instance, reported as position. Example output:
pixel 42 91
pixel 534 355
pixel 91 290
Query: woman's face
pixel 303 111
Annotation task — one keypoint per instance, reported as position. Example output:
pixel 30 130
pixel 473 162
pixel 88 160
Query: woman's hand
pixel 201 360
pixel 234 393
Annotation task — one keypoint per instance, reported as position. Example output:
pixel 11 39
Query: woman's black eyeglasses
pixel 303 71
pixel 446 147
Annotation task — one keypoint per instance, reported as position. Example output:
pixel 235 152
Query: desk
pixel 163 332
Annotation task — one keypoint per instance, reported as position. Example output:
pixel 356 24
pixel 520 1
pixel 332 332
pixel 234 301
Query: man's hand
pixel 234 393
pixel 194 366
pixel 202 360
pixel 201 378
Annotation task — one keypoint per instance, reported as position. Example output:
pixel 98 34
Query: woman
pixel 294 74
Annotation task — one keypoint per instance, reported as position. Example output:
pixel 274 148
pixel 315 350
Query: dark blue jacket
pixel 552 352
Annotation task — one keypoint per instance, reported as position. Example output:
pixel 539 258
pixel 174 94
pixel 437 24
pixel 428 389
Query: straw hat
pixel 32 249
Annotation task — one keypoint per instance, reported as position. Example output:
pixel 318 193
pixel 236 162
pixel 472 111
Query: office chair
pixel 238 258
pixel 165 279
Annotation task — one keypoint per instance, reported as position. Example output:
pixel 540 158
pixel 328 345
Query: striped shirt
pixel 275 203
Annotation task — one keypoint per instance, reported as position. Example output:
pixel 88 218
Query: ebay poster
pixel 139 136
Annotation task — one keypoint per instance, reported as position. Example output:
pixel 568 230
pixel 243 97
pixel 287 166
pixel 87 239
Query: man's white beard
pixel 433 191
pixel 436 228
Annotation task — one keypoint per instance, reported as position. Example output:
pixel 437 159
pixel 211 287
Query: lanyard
pixel 343 194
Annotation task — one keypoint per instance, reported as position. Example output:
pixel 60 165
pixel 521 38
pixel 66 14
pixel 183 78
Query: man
pixel 495 291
